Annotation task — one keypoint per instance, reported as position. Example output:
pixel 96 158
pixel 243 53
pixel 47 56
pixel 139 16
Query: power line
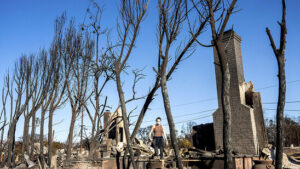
pixel 177 118
pixel 184 104
pixel 271 86
pixel 284 109
pixel 191 119
pixel 298 101
pixel 194 102
pixel 210 99
pixel 204 111
pixel 180 122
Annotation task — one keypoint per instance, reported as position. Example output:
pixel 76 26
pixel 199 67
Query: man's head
pixel 158 120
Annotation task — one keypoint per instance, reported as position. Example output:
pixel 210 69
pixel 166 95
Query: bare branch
pixel 272 41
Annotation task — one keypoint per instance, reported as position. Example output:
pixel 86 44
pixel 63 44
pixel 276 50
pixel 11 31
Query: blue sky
pixel 27 26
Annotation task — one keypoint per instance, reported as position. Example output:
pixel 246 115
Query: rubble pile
pixel 269 153
pixel 142 149
pixel 194 153
pixel 109 152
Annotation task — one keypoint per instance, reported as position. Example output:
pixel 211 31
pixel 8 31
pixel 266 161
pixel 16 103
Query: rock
pixel 60 151
pixel 269 153
pixel 120 147
pixel 21 166
pixel 83 155
pixel 37 149
pixel 54 162
pixel 286 163
pixel 28 161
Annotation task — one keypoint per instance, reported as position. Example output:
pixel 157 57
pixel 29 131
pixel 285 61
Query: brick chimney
pixel 106 117
pixel 246 119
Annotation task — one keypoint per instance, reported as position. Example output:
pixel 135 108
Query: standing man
pixel 158 138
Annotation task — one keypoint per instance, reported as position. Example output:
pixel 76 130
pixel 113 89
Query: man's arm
pixel 152 128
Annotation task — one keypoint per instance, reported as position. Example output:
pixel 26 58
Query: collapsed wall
pixel 248 127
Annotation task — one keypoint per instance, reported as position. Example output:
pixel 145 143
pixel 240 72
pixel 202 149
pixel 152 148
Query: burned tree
pixel 42 81
pixel 22 89
pixel 38 90
pixel 182 53
pixel 132 13
pixel 100 73
pixel 171 16
pixel 58 84
pixel 3 115
pixel 27 116
pixel 78 51
pixel 48 92
pixel 219 13
pixel 280 57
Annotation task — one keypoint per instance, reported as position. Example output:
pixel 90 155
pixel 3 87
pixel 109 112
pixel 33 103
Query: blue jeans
pixel 159 143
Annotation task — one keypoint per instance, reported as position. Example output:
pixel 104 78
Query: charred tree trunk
pixel 167 106
pixel 50 131
pixel 70 137
pixel 97 109
pixel 280 57
pixel 280 110
pixel 25 137
pixel 32 135
pixel 226 108
pixel 93 143
pixel 42 157
pixel 217 37
pixel 81 132
pixel 1 141
pixel 125 119
pixel 9 160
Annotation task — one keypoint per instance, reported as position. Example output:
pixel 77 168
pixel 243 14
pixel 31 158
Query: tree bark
pixel 42 157
pixel 226 107
pixel 125 119
pixel 25 137
pixel 227 116
pixel 32 135
pixel 225 73
pixel 70 137
pixel 81 132
pixel 1 141
pixel 97 109
pixel 280 57
pixel 9 160
pixel 167 106
pixel 50 131
pixel 280 112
